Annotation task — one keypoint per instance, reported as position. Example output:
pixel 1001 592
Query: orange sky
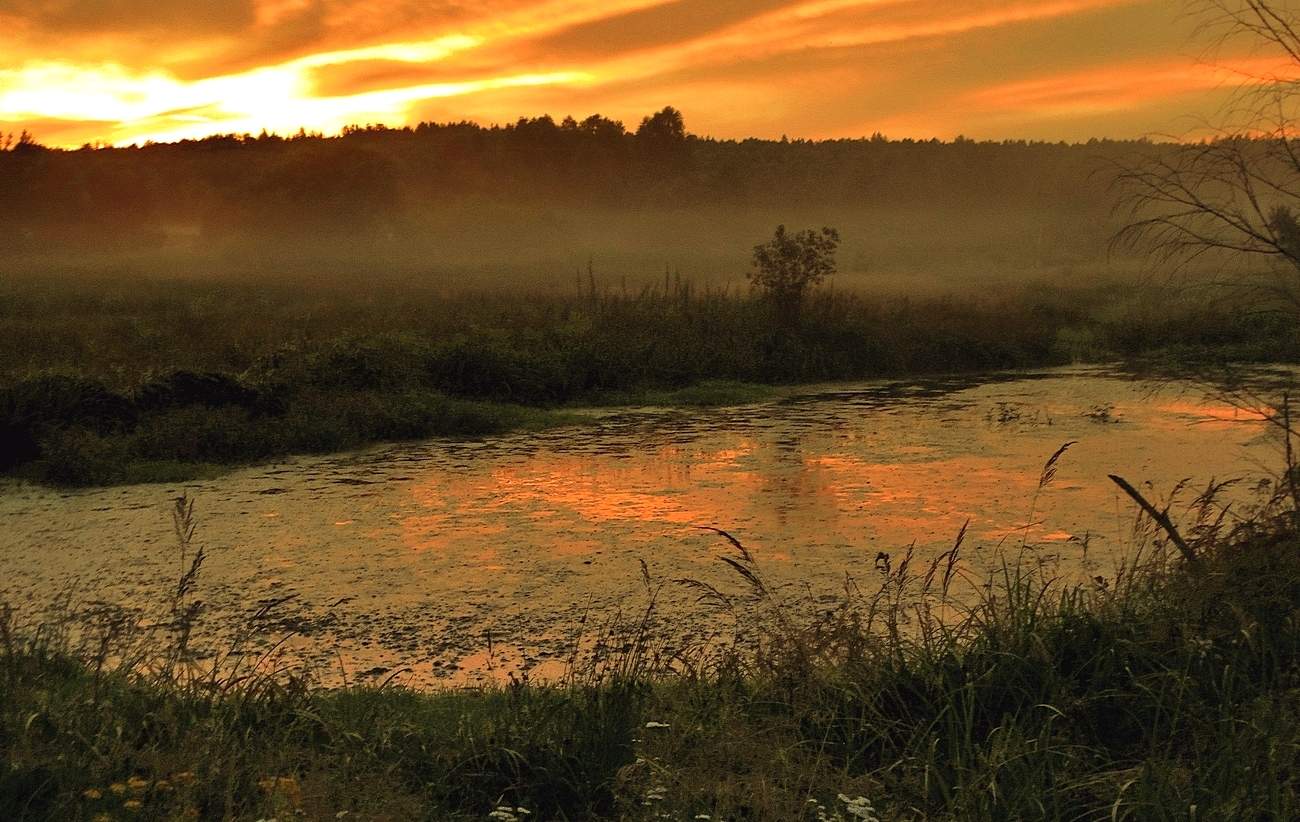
pixel 120 71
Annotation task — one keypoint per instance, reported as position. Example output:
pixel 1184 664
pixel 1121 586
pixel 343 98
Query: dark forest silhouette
pixel 391 186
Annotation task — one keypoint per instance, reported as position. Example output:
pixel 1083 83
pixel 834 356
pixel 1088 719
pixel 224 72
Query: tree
pixel 1234 198
pixel 788 265
pixel 665 128
pixel 26 143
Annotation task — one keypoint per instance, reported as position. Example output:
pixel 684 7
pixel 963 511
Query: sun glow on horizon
pixel 156 106
pixel 815 68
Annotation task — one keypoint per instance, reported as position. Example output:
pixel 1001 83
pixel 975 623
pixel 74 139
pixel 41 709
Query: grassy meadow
pixel 113 378
pixel 1165 691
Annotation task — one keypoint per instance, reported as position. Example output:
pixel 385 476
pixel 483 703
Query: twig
pixel 1160 518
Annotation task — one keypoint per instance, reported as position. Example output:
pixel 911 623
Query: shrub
pixel 786 267
pixel 80 457
pixel 182 388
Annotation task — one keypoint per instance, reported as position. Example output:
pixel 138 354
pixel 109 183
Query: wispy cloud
pixel 1125 86
pixel 806 67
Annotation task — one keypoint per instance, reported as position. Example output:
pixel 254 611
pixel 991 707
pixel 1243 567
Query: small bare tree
pixel 1236 197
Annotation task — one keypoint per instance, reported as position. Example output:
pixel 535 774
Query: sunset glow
pixel 1050 69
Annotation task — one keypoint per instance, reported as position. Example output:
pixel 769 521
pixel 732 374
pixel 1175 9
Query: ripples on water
pixel 414 553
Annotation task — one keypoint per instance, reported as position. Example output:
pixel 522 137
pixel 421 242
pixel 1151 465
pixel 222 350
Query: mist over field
pixel 531 205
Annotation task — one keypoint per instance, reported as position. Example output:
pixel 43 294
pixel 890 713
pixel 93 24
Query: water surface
pixel 421 556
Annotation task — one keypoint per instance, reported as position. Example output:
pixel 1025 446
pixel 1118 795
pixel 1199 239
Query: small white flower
pixel 653 724
pixel 859 807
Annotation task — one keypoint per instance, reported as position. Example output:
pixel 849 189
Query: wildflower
pixel 133 804
pixel 117 788
pixel 92 793
pixel 859 807
pixel 702 816
pixel 653 724
pixel 101 817
pixel 136 784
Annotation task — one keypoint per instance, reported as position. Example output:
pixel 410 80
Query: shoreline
pixel 480 418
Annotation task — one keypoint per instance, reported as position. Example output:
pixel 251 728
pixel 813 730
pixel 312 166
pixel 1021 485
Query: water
pixel 420 557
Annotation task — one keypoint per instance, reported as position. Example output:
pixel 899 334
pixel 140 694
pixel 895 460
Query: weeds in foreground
pixel 1164 691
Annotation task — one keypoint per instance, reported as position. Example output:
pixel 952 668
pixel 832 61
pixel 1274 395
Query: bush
pixel 80 457
pixel 57 401
pixel 184 388
pixel 373 364
pixel 200 434
pixel 786 267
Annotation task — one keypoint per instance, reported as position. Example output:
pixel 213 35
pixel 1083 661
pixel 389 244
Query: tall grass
pixel 126 381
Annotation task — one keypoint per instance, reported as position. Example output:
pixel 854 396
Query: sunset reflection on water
pixel 812 477
pixel 418 552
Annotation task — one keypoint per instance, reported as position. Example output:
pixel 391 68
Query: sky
pixel 125 71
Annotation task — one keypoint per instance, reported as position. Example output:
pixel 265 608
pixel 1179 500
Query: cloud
pixel 97 16
pixel 55 131
pixel 1123 86
pixel 737 67
pixel 653 27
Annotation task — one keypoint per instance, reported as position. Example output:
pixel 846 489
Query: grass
pixel 1170 690
pixel 182 442
pixel 705 394
pixel 121 379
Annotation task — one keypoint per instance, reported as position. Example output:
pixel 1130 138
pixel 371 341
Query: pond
pixel 452 561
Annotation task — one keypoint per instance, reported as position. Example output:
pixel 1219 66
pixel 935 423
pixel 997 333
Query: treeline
pixel 390 183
